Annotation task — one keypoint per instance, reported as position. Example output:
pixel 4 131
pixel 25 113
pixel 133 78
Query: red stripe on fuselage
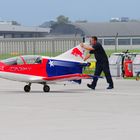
pixel 70 76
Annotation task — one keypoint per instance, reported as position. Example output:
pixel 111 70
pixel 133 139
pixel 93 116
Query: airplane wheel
pixel 46 88
pixel 27 88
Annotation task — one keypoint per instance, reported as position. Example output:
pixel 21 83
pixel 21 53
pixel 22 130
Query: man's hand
pixel 87 47
pixel 87 57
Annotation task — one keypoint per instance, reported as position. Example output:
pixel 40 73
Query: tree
pixel 15 23
pixel 62 19
pixel 47 24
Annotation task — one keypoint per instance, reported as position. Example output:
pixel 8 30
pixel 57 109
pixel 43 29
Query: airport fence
pixel 49 46
pixel 36 46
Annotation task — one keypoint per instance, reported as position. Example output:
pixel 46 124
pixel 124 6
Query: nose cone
pixel 2 65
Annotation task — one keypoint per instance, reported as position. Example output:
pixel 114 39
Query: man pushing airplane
pixel 102 63
pixel 67 66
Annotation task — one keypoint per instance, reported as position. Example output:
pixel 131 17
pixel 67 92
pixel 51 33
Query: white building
pixel 7 30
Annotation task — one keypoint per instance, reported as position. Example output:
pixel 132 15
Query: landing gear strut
pixel 27 88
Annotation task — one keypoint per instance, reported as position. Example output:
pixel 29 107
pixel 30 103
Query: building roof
pixel 109 29
pixel 15 28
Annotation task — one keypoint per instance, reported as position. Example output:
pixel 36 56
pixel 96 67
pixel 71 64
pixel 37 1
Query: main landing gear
pixel 46 88
pixel 27 88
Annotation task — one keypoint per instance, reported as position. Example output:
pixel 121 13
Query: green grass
pixel 109 52
pixel 130 78
pixel 5 56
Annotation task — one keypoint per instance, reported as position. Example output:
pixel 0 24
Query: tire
pixel 46 88
pixel 27 88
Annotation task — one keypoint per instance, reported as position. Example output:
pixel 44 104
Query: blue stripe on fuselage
pixel 59 67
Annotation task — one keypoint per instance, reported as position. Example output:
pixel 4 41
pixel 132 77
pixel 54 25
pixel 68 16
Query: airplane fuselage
pixel 25 71
pixel 45 70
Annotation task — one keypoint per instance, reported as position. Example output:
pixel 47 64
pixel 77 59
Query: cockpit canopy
pixel 26 59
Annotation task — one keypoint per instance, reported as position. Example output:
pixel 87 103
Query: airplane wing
pixel 70 77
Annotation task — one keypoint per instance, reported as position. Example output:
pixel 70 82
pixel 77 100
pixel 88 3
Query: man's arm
pixel 87 57
pixel 89 48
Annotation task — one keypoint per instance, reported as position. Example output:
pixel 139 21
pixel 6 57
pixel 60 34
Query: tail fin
pixel 75 54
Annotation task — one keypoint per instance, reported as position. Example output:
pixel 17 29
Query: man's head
pixel 93 40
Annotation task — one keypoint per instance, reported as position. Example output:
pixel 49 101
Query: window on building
pixel 136 41
pixel 26 35
pixel 124 42
pixel 1 35
pixel 8 35
pixel 100 41
pixel 17 35
pixel 109 41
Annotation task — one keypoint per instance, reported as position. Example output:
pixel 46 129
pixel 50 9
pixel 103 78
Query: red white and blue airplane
pixel 45 70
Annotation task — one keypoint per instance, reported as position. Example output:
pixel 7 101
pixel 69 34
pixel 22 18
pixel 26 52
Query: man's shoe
pixel 110 87
pixel 90 86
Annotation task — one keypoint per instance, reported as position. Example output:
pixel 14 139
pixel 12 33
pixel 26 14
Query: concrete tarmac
pixel 71 112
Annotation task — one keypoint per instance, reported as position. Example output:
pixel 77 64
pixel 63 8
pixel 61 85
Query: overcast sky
pixel 35 12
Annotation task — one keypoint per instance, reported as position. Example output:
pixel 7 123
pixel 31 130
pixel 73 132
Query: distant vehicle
pixel 45 70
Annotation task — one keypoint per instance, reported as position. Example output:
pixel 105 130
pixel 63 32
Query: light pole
pixel 116 42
